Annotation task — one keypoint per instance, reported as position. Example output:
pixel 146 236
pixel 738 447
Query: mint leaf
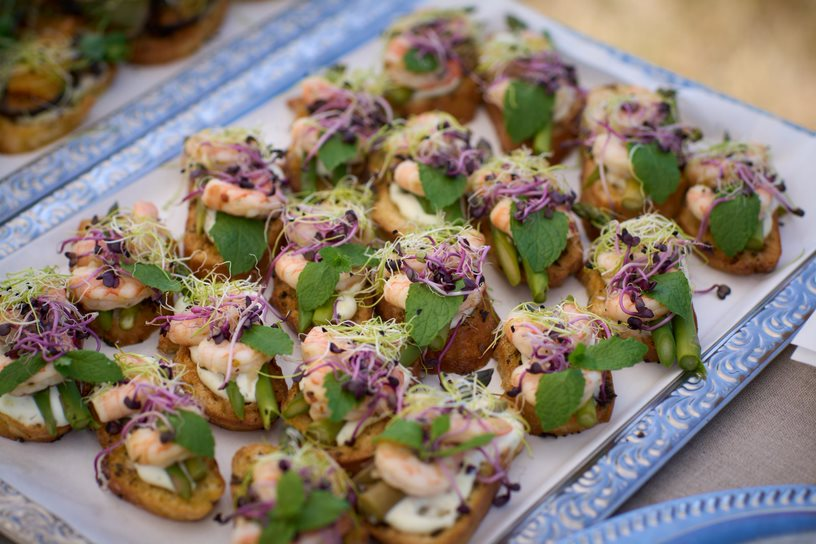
pixel 291 495
pixel 19 371
pixel 236 399
pixel 558 397
pixel 239 240
pixel 278 531
pixel 527 109
pixel 476 442
pixel 540 240
pixel 611 353
pixel 308 178
pixel 103 47
pixel 356 255
pixel 341 402
pixel 336 258
pixel 439 426
pixel 270 341
pixel 402 431
pixel 316 285
pixel 88 366
pixel 441 190
pixel 193 433
pixel 732 223
pixel 418 62
pixel 657 170
pixel 674 292
pixel 514 23
pixel 335 152
pixel 322 508
pixel 153 276
pixel 428 313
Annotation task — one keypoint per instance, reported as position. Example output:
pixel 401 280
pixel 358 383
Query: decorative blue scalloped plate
pixel 772 514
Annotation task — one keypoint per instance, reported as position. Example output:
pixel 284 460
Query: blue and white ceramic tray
pixel 48 492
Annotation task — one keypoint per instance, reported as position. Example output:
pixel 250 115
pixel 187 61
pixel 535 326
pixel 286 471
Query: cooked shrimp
pixel 288 268
pixel 246 532
pixel 315 393
pixel 608 261
pixel 110 405
pixel 214 357
pixel 88 289
pixel 475 238
pixel 406 175
pixel 470 303
pixel 612 308
pixel 395 290
pixel 228 198
pixel 144 447
pixel 400 468
pixel 500 215
pixel 521 334
pixel 463 429
pixel 610 151
pixel 566 101
pixel 188 332
pixel 265 476
pixel 316 88
pixel 699 199
pixel 305 135
pixel 45 377
pixel 85 251
pixel 316 345
pixel 204 148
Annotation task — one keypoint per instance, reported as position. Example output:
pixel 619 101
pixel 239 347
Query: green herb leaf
pixel 558 397
pixel 278 531
pixel 335 152
pixel 540 240
pixel 341 402
pixel 441 190
pixel 153 276
pixel 609 354
pixel 236 399
pixel 321 510
pixel 193 432
pixel 103 47
pixel 439 426
pixel 733 222
pixel 528 108
pixel 356 255
pixel 270 341
pixel 402 431
pixel 88 366
pixel 514 23
pixel 291 495
pixel 308 178
pixel 316 285
pixel 336 258
pixel 74 408
pixel 476 442
pixel 240 241
pixel 19 371
pixel 420 63
pixel 428 313
pixel 657 170
pixel 674 292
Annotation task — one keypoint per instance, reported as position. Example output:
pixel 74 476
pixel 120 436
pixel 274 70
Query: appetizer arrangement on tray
pixel 336 289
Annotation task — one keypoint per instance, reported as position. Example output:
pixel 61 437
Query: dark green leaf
pixel 402 431
pixel 484 376
pixel 153 276
pixel 341 402
pixel 540 240
pixel 278 531
pixel 240 241
pixel 558 397
pixel 19 371
pixel 103 47
pixel 420 63
pixel 321 510
pixel 193 432
pixel 441 190
pixel 733 222
pixel 428 313
pixel 270 341
pixel 335 152
pixel 657 170
pixel 439 426
pixel 308 178
pixel 291 495
pixel 514 23
pixel 316 285
pixel 88 366
pixel 236 399
pixel 609 354
pixel 356 254
pixel 336 258
pixel 674 292
pixel 527 109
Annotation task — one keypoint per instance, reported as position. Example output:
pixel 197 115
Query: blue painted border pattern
pixel 692 514
pixel 76 156
pixel 319 45
pixel 651 439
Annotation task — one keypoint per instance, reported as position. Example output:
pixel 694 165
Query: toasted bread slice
pixel 564 134
pixel 594 193
pixel 472 347
pixel 508 359
pixel 203 257
pixel 569 263
pixel 124 482
pixel 462 102
pixel 218 409
pixel 284 300
pixel 115 335
pixel 156 48
pixel 743 263
pixel 14 430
